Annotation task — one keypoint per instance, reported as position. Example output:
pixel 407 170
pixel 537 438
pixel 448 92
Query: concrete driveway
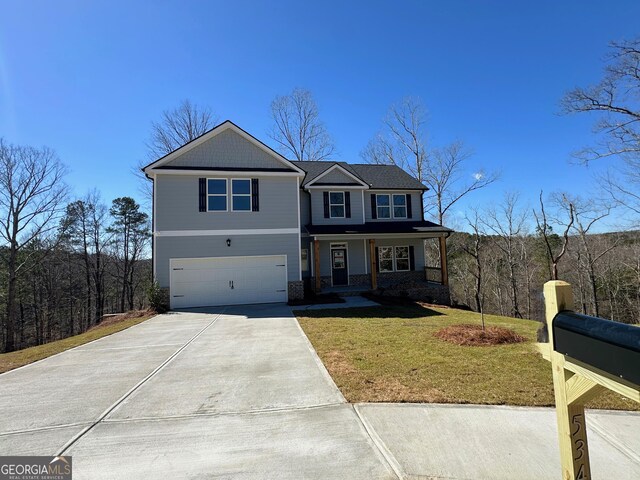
pixel 240 393
pixel 235 392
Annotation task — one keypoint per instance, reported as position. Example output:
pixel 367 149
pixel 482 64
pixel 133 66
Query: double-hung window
pixel 393 259
pixel 241 194
pixel 399 206
pixel 217 195
pixel 385 260
pixel 402 259
pixel 383 205
pixel 336 204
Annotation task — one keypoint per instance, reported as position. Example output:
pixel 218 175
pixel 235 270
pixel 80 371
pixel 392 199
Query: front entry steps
pixel 347 290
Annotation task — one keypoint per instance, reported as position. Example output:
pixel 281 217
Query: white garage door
pixel 201 282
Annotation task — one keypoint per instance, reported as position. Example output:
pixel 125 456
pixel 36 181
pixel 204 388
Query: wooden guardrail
pixel 588 355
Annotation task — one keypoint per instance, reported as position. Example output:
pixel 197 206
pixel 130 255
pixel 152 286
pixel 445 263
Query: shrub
pixel 158 298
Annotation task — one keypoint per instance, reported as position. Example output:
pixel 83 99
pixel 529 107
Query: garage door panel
pixel 207 281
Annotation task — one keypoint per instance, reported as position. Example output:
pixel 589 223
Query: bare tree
pixel 616 98
pixel 475 250
pixel 545 230
pixel 31 200
pixel 403 142
pixel 616 101
pixel 85 226
pixel 507 222
pixel 175 128
pixel 297 129
pixel 449 182
pixel 587 214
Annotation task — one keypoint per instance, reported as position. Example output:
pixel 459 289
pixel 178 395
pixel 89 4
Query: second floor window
pixel 383 206
pixel 399 206
pixel 336 204
pixel 217 195
pixel 241 195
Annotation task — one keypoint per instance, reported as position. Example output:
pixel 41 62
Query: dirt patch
pixel 474 335
pixel 338 364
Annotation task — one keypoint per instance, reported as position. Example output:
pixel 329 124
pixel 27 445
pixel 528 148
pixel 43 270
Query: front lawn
pixel 390 354
pixel 9 361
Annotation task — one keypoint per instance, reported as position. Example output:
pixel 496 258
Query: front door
pixel 339 269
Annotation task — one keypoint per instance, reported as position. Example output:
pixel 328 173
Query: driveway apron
pixel 231 392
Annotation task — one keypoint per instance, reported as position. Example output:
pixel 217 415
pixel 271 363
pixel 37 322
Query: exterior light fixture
pixel 228 242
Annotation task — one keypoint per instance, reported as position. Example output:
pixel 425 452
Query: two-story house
pixel 234 222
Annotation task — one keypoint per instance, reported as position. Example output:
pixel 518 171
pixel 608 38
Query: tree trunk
pixel 9 345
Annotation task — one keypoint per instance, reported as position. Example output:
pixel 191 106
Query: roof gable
pixel 337 175
pixel 381 177
pixel 225 147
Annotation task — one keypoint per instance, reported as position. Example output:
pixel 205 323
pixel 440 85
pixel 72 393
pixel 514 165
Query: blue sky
pixel 87 78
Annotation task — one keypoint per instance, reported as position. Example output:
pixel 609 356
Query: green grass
pixel 9 361
pixel 390 354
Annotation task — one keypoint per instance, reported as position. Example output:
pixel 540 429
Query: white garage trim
pixel 232 280
pixel 224 233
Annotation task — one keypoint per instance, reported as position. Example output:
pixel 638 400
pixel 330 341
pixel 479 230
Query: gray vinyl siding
pixel 416 206
pixel 216 246
pixel 336 177
pixel 305 209
pixel 317 208
pixel 417 243
pixel 227 149
pixel 358 252
pixel 177 205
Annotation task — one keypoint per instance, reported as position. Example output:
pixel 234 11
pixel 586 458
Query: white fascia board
pixel 224 173
pixel 336 186
pixel 343 170
pixel 226 125
pixel 397 190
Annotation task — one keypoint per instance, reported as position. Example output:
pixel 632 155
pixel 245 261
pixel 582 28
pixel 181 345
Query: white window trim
pixel 343 204
pixel 395 258
pixel 231 195
pixel 226 195
pixel 384 206
pixel 393 211
pixel 380 259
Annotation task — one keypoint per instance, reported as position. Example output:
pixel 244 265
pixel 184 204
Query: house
pixel 234 222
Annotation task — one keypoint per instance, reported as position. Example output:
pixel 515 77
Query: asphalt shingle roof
pixel 385 177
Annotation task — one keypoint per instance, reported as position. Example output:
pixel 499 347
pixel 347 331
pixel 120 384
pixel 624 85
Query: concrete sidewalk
pixel 495 442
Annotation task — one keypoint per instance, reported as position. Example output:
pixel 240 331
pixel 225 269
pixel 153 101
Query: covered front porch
pixel 343 261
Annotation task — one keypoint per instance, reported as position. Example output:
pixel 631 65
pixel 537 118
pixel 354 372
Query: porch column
pixel 443 261
pixel 372 257
pixel 316 259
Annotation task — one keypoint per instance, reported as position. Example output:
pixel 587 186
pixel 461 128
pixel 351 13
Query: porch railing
pixel 433 274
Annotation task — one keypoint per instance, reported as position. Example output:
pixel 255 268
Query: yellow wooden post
pixel 571 391
pixel 373 262
pixel 316 259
